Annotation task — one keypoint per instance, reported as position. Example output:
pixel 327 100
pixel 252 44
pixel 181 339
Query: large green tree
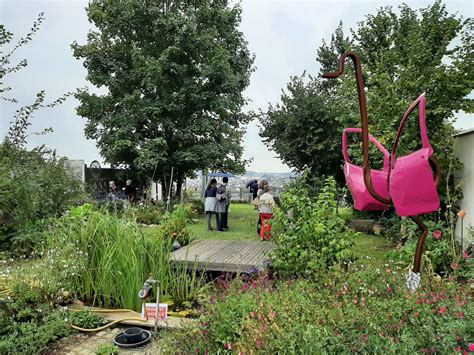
pixel 174 74
pixel 403 54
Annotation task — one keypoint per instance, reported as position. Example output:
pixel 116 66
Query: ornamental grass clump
pixel 118 257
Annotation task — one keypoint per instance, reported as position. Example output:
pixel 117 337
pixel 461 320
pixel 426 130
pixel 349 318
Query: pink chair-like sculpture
pixel 406 182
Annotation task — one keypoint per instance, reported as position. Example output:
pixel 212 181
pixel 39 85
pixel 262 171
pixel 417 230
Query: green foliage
pixel 356 311
pixel 33 185
pixel 305 111
pixel 86 319
pixel 107 349
pixel 104 258
pixel 118 257
pixel 197 206
pixel 173 100
pixel 175 225
pixel 149 214
pixel 440 253
pixel 403 54
pixel 28 322
pixel 314 237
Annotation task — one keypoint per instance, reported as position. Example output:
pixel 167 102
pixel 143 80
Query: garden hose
pixel 108 324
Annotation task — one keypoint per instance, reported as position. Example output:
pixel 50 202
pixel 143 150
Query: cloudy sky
pixel 283 35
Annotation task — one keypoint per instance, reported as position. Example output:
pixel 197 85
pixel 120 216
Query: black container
pixel 133 335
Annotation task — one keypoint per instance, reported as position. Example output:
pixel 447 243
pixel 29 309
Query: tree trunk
pixel 164 188
pixel 179 185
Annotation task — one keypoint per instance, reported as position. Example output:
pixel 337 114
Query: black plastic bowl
pixel 133 335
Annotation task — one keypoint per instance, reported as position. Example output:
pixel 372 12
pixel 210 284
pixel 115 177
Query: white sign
pixel 150 309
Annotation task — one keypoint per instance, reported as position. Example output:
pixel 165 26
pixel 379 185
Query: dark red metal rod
pixel 363 118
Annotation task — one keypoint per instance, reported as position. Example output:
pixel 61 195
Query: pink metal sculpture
pixel 409 182
pixel 354 174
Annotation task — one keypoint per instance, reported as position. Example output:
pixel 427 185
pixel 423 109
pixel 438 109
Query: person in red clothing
pixel 266 208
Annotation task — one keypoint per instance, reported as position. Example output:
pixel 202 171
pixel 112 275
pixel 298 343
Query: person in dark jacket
pixel 223 196
pixel 210 204
pixel 253 187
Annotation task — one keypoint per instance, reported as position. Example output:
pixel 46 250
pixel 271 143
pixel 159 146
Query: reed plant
pixel 118 258
pixel 118 255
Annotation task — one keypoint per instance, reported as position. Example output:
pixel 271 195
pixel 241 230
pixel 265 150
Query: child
pixel 266 207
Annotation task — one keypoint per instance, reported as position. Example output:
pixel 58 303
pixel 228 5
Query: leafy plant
pixel 175 225
pixel 439 255
pixel 28 322
pixel 86 319
pixel 107 349
pixel 313 236
pixel 149 215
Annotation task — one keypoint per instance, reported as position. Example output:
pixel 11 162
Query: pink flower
pixel 442 310
pixel 437 234
pixel 364 338
pixel 258 343
pixel 465 255
pixel 228 346
pixel 389 289
pixel 460 314
pixel 455 266
pixel 471 347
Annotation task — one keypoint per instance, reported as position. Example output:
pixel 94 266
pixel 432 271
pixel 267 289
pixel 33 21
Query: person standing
pixel 261 186
pixel 113 191
pixel 210 204
pixel 223 196
pixel 266 208
pixel 130 191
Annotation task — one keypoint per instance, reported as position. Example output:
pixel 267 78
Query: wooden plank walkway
pixel 224 255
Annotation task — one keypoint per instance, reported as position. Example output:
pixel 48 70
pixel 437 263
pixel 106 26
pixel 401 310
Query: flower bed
pixel 354 311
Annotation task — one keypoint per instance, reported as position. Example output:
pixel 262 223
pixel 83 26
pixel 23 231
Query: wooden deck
pixel 224 255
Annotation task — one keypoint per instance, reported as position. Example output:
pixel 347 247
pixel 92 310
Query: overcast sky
pixel 284 36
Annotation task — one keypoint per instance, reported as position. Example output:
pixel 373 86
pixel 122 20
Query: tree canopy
pixel 174 74
pixel 403 55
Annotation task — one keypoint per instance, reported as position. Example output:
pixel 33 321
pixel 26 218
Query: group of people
pixel 128 192
pixel 217 202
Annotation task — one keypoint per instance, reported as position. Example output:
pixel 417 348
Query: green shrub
pixel 313 237
pixel 149 215
pixel 175 225
pixel 439 252
pixel 33 185
pixel 356 311
pixel 28 322
pixel 197 207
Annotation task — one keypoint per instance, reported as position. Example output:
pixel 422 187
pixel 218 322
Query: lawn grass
pixel 374 247
pixel 242 223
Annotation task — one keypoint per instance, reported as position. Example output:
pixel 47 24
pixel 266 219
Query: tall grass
pixel 118 258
